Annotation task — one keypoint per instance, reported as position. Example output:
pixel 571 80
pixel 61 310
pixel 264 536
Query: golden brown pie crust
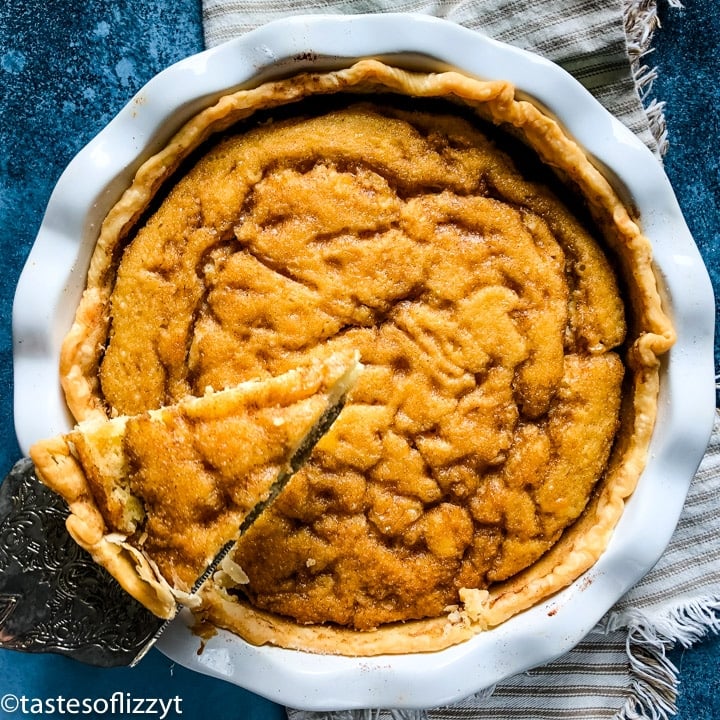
pixel 502 396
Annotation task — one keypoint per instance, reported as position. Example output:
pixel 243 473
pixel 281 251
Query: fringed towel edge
pixel 641 22
pixel 653 676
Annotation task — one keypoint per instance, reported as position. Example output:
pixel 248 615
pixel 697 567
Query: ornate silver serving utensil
pixel 55 598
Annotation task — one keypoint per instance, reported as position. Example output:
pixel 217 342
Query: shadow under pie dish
pixel 510 344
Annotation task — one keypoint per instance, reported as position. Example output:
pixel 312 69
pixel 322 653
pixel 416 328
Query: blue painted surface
pixel 687 56
pixel 66 68
pixel 184 693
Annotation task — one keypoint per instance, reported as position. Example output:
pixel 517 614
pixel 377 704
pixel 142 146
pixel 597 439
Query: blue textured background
pixel 66 68
pixel 687 55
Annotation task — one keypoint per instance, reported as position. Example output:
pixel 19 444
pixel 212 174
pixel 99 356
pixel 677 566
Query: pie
pixel 501 297
pixel 154 497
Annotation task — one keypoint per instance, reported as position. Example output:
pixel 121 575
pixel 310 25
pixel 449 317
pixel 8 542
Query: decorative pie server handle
pixel 53 597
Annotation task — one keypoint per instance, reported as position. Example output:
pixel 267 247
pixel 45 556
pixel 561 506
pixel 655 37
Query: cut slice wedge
pixel 158 498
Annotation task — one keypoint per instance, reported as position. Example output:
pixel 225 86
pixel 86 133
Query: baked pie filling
pixel 510 337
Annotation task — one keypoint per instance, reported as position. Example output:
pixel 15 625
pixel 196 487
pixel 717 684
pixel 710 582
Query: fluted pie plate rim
pixel 54 276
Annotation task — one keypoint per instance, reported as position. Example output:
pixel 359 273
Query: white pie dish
pixel 54 276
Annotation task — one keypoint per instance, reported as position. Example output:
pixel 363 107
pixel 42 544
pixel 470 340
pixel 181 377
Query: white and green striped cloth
pixel 620 671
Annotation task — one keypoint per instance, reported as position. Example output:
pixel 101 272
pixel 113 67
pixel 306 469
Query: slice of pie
pixel 155 496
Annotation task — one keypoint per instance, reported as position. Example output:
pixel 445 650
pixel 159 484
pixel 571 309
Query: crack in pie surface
pixel 502 396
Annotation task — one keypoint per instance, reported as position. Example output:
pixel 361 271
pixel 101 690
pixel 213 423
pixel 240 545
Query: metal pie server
pixel 55 598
